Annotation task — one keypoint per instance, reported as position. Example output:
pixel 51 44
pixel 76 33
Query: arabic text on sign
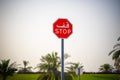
pixel 64 26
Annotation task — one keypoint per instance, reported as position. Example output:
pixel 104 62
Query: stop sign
pixel 62 28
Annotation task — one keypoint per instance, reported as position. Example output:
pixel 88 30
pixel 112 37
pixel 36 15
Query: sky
pixel 26 30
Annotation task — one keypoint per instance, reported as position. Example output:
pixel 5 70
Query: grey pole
pixel 79 73
pixel 62 57
pixel 78 77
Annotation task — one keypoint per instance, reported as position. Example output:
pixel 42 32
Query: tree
pixel 50 64
pixel 73 67
pixel 26 68
pixel 7 69
pixel 116 54
pixel 106 68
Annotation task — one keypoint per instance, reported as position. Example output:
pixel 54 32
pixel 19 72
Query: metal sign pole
pixel 78 77
pixel 79 73
pixel 62 57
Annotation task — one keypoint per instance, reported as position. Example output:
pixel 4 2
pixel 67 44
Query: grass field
pixel 99 77
pixel 82 77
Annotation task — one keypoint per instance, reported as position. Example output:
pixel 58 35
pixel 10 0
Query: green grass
pixel 99 77
pixel 82 77
pixel 23 77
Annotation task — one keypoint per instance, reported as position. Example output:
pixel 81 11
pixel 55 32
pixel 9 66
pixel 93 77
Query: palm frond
pixel 66 56
pixel 13 65
pixel 112 52
pixel 117 45
pixel 116 55
pixel 118 39
pixel 25 63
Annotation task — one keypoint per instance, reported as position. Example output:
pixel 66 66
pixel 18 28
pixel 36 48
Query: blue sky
pixel 26 30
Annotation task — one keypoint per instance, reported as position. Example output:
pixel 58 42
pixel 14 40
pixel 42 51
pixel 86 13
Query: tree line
pixel 51 63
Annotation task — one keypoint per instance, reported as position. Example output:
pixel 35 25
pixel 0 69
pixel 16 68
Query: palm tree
pixel 7 69
pixel 73 67
pixel 116 54
pixel 106 68
pixel 26 68
pixel 48 62
pixel 51 64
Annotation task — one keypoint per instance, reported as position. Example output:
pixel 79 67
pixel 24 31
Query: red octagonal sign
pixel 62 28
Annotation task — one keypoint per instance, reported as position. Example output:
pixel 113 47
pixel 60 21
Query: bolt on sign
pixel 62 28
